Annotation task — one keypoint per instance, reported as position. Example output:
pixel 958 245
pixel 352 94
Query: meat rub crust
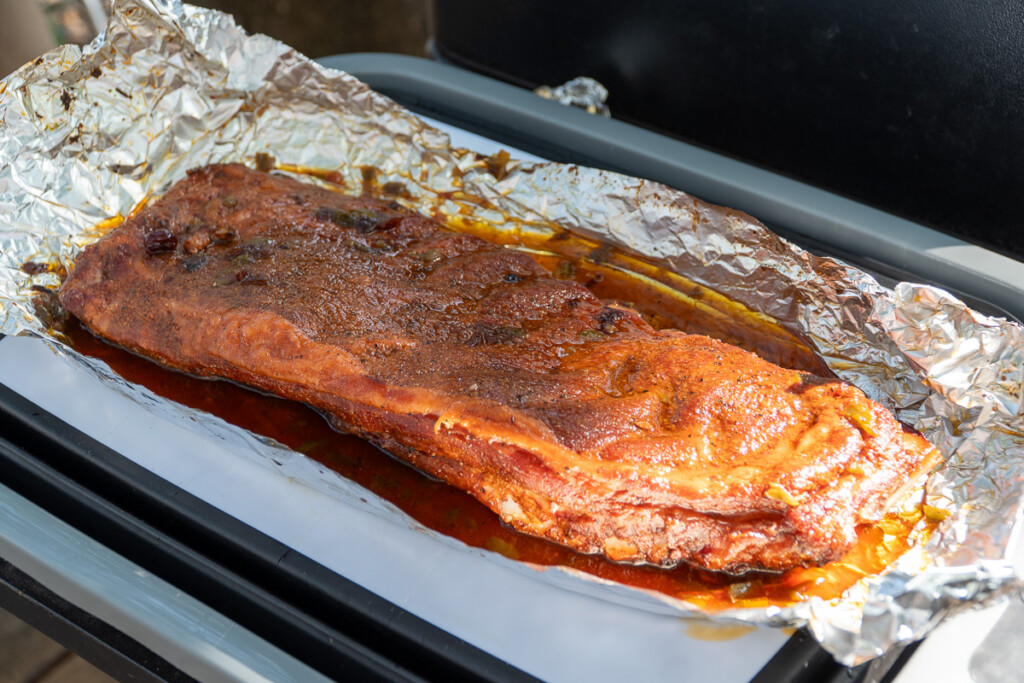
pixel 571 419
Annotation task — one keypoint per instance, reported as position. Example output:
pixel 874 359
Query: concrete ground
pixel 27 656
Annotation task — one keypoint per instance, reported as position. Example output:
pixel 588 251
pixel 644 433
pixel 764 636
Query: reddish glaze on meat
pixel 573 420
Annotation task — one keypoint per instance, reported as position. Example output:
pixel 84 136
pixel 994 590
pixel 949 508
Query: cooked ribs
pixel 572 419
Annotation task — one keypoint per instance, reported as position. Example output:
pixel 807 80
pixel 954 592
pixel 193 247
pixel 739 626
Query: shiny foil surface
pixel 88 134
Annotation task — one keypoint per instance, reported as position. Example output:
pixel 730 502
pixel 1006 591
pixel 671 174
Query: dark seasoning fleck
pixel 265 162
pixel 160 240
pixel 35 267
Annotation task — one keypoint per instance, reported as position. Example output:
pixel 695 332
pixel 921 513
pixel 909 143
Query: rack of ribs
pixel 572 419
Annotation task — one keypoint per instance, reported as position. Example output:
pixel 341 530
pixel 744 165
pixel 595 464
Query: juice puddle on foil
pixel 452 512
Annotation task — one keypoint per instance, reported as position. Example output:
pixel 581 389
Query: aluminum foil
pixel 88 134
pixel 583 92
